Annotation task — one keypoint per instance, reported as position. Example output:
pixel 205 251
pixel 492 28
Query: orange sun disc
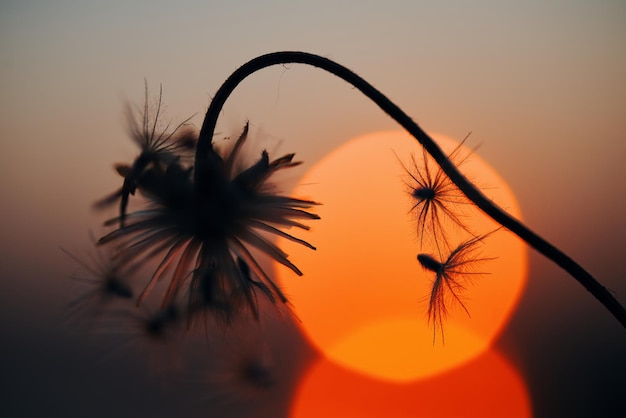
pixel 363 298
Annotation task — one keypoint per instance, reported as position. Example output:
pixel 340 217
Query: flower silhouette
pixel 203 220
pixel 207 231
pixel 452 278
pixel 435 200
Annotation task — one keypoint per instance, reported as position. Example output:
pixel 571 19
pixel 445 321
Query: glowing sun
pixel 361 299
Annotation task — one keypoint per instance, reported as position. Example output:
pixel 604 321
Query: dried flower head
pixel 435 200
pixel 206 230
pixel 452 278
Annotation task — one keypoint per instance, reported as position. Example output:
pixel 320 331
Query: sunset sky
pixel 541 86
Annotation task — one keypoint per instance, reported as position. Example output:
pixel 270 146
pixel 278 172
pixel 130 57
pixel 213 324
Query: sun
pixel 487 386
pixel 361 299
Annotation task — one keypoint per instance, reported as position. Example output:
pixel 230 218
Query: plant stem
pixel 205 154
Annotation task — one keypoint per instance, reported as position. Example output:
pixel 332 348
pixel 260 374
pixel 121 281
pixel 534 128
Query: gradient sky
pixel 542 86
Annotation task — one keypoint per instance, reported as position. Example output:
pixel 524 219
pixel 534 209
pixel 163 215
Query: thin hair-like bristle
pixel 452 278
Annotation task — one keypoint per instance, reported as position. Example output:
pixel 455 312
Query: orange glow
pixel 361 299
pixel 487 386
pixel 364 350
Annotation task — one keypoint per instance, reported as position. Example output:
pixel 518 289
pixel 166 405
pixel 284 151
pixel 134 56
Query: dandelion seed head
pixel 205 231
pixel 106 281
pixel 436 201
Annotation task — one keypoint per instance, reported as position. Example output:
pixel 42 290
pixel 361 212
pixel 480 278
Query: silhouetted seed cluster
pixel 246 372
pixel 245 377
pixel 107 281
pixel 200 236
pixel 158 324
pixel 109 291
pixel 437 204
pixel 159 146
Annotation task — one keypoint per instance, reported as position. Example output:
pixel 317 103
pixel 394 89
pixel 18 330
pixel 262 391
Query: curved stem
pixel 205 154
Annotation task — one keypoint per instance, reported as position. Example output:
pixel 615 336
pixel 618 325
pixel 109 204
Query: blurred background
pixel 541 86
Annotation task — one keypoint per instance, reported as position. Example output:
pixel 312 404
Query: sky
pixel 541 86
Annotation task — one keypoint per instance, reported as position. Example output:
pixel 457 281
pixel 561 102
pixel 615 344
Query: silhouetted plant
pixel 245 373
pixel 205 151
pixel 206 231
pixel 452 276
pixel 159 324
pixel 159 146
pixel 106 281
pixel 156 334
pixel 203 217
pixel 436 200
